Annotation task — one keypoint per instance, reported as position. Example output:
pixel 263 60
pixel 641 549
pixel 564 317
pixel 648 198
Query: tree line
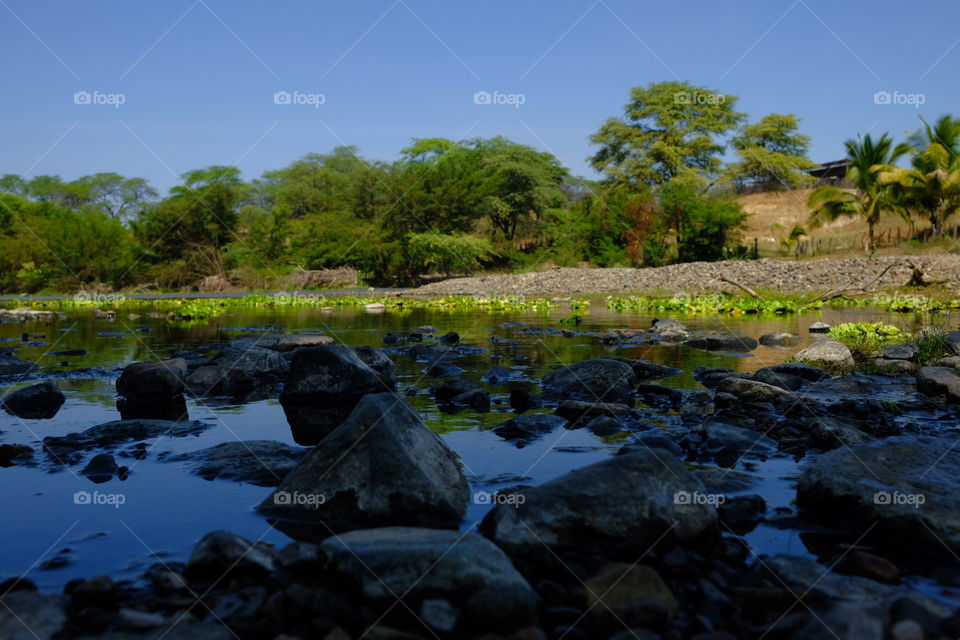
pixel 443 207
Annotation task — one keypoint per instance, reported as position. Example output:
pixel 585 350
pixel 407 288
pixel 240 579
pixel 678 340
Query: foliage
pixel 866 339
pixel 773 155
pixel 447 254
pixel 705 229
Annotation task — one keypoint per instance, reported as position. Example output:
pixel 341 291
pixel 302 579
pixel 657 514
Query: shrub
pixel 866 339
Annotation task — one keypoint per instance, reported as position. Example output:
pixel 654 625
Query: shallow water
pixel 165 509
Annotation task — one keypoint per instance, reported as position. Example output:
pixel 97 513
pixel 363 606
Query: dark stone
pixel 259 462
pixel 221 554
pixel 38 401
pixel 497 376
pixel 160 380
pixel 101 468
pixel 577 411
pixel 595 380
pixel 321 375
pixel 734 344
pixel 529 427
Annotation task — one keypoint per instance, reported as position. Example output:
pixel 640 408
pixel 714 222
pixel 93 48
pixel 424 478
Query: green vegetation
pixel 867 339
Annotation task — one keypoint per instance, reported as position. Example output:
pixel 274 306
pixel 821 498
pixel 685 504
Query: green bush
pixel 867 339
pixel 444 253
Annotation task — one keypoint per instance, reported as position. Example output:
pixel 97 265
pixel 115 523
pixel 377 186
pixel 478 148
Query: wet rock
pixel 10 366
pixel 828 353
pixel 827 433
pixel 952 362
pixel 908 486
pixel 38 401
pixel 671 330
pixel 730 344
pixel 381 363
pixel 451 337
pixel 221 553
pixel 819 327
pixel 631 594
pixel 727 438
pixel 439 615
pixel 466 569
pixel 521 400
pixel 101 468
pixel 939 381
pixel 619 505
pixel 528 428
pixel 11 454
pixel 282 342
pixel 800 370
pixel 497 376
pixel 742 513
pixel 656 395
pixel 381 466
pixel 329 374
pixel 160 380
pixel 28 614
pixel 849 386
pixel 785 381
pixel 460 392
pixel 952 343
pixel 577 411
pixel 260 462
pixel 725 480
pixel 647 441
pixel 751 390
pixel 309 424
pixel 119 431
pixel 779 340
pixel 646 370
pixel 444 369
pixel 595 380
pixel 604 426
pixel 894 366
pixel 868 565
pixel 900 352
pixel 710 377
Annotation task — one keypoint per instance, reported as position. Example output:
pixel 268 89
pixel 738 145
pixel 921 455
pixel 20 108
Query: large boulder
pixel 468 571
pixel 240 368
pixel 595 380
pixel 160 380
pixel 260 462
pixel 329 374
pixel 382 466
pixel 908 486
pixel 827 353
pixel 380 362
pixel 615 507
pixel 38 401
pixel 939 381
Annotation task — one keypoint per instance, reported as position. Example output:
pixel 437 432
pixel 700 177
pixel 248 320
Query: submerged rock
pixel 470 571
pixel 779 340
pixel 610 508
pixel 10 366
pixel 382 466
pixel 528 428
pixel 459 392
pixel 38 401
pixel 119 431
pixel 260 462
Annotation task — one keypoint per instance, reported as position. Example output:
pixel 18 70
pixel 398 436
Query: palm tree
pixel 932 186
pixel 869 198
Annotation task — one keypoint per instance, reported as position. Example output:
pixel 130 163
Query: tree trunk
pixel 935 225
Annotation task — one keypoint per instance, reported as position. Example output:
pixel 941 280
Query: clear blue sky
pixel 198 77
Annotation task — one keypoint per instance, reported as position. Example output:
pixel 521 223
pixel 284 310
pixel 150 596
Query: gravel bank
pixel 778 275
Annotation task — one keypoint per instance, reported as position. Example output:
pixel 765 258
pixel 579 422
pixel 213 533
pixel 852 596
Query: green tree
pixel 773 154
pixel 668 129
pixel 932 186
pixel 705 228
pixel 870 196
pixel 114 194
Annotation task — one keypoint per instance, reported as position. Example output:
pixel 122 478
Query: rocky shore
pixel 780 275
pixel 648 543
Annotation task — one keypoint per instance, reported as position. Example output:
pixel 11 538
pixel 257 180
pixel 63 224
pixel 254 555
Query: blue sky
pixel 197 77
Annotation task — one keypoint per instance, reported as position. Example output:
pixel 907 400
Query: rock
pixel 939 381
pixel 424 563
pixel 160 380
pixel 868 565
pixel 439 615
pixel 751 390
pixel 118 431
pixel 895 366
pixel 595 380
pixel 805 576
pixel 785 381
pixel 329 374
pixel 657 395
pixel 578 411
pixel 381 466
pixel 742 512
pixel 831 354
pixel 779 340
pixel 613 507
pixel 819 327
pixel 670 330
pixel 646 441
pixel 908 486
pixel 900 352
pixel 222 553
pixel 10 366
pixel 240 369
pixel 628 594
pixel 646 370
pixel 38 401
pixel 521 400
pixel 477 399
pixel 952 343
pixel 13 453
pixel 282 342
pixel 381 363
pixel 451 337
pixel 604 425
pixel 847 386
pixel 497 376
pixel 725 480
pixel 735 344
pixel 259 462
pixel 710 377
pixel 798 369
pixel 30 615
pixel 462 393
pixel 951 362
pixel 101 468
pixel 528 428
pixel 827 433
pixel 727 438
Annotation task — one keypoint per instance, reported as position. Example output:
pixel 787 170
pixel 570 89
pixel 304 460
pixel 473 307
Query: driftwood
pixel 845 291
pixel 919 277
pixel 741 286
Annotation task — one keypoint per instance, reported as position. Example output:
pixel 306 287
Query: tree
pixel 668 128
pixel 115 195
pixel 932 186
pixel 772 154
pixel 704 228
pixel 12 183
pixel 870 196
